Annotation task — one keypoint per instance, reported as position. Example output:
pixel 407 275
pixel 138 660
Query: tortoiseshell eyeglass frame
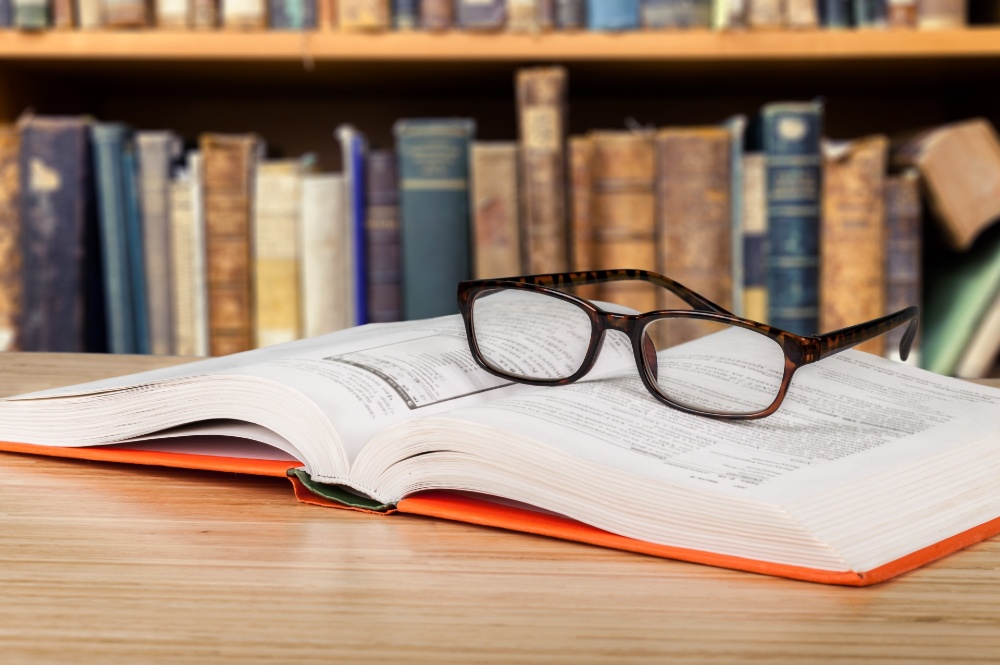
pixel 799 351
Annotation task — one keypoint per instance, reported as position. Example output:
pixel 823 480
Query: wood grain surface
pixel 101 563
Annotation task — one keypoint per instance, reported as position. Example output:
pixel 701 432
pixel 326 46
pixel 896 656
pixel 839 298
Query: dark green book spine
pixel 434 205
pixel 792 134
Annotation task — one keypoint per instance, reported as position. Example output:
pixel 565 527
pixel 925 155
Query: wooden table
pixel 110 564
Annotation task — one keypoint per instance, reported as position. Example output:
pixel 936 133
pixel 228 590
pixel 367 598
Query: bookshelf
pixel 294 88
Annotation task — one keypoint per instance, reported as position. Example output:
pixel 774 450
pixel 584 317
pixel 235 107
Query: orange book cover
pixel 480 511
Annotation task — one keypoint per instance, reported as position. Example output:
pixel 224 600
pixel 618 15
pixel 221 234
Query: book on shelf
pixel 580 151
pixel 30 15
pixel 364 15
pixel 205 14
pixel 434 211
pixel 869 469
pixel 124 14
pixel 11 284
pixel 836 14
pixel 484 15
pixel 962 291
pixel 904 249
pixel 135 248
pixel 495 203
pixel 354 155
pixel 571 14
pixel 791 138
pixel 613 15
pixel 382 238
pixel 801 14
pixel 172 14
pixel 959 166
pixel 658 14
pixel 765 14
pixel 541 118
pixel 187 241
pixel 405 14
pixel 904 13
pixel 754 231
pixel 852 239
pixel 243 14
pixel 942 14
pixel 437 15
pixel 292 14
pixel 327 290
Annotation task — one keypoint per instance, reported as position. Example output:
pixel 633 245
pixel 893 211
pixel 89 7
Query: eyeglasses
pixel 704 361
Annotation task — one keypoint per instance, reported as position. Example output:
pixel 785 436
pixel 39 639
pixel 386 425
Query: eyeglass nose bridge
pixel 621 322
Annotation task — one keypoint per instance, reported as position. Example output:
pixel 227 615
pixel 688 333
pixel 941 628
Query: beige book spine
pixel 755 237
pixel 364 15
pixel 694 217
pixel 325 307
pixel 182 240
pixel 205 14
pixel 541 105
pixel 88 14
pixel 801 14
pixel 582 241
pixel 124 14
pixel 765 14
pixel 11 289
pixel 173 14
pixel 229 165
pixel 496 234
pixel 942 14
pixel 276 251
pixel 244 14
pixel 852 275
pixel 623 209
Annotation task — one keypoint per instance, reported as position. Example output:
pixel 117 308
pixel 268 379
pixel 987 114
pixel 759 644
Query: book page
pixel 847 416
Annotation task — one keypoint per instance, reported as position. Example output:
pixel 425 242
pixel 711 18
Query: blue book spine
pixel 405 14
pixel 871 13
pixel 62 299
pixel 434 205
pixel 292 14
pixel 835 13
pixel 6 13
pixel 108 140
pixel 792 134
pixel 357 221
pixel 134 237
pixel 612 15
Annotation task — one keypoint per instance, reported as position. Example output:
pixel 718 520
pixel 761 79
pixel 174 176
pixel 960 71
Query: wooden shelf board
pixel 974 43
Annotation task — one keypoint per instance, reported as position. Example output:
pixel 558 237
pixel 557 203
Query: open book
pixel 869 468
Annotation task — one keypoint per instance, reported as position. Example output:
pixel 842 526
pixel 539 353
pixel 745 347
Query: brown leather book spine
pixel 62 14
pixel 694 217
pixel 228 163
pixel 124 14
pixel 541 110
pixel 852 236
pixel 10 237
pixel 385 288
pixel 623 213
pixel 581 218
pixel 436 15
pixel 904 246
pixel 902 14
pixel 326 14
pixel 496 232
pixel 364 15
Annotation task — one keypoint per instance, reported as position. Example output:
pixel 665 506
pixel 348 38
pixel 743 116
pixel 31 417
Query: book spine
pixel 791 142
pixel 481 14
pixel 623 209
pixel 903 14
pixel 353 150
pixel 10 238
pixel 582 256
pixel 904 246
pixel 942 14
pixel 836 13
pixel 870 13
pixel 62 14
pixel 124 14
pixel 88 14
pixel 801 14
pixel 613 15
pixel 571 14
pixel 185 251
pixel 244 14
pixel 541 107
pixel 199 259
pixel 136 249
pixel 677 13
pixel 765 14
pixel 852 239
pixel 546 14
pixel 292 14
pixel 496 234
pixel 56 240
pixel 522 16
pixel 436 15
pixel 325 300
pixel 754 238
pixel 385 289
pixel 6 13
pixel 694 217
pixel 205 14
pixel 434 202
pixel 173 14
pixel 364 15
pixel 737 128
pixel 108 140
pixel 31 14
pixel 275 248
pixel 157 151
pixel 405 14
pixel 729 14
pixel 229 164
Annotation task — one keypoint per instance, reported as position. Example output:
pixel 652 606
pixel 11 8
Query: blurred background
pixel 197 177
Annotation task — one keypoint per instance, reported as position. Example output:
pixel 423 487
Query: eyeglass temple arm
pixel 840 340
pixel 565 279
